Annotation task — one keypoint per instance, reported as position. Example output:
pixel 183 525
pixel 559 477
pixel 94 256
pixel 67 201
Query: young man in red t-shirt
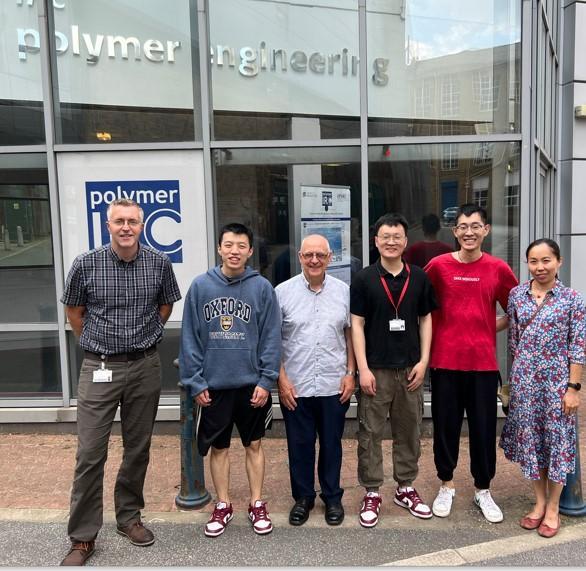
pixel 463 367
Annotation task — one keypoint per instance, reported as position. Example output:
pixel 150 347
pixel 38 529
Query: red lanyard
pixel 390 296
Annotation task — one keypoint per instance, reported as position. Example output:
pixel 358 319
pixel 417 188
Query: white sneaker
pixel 490 510
pixel 442 505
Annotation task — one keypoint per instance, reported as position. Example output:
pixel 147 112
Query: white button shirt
pixel 313 342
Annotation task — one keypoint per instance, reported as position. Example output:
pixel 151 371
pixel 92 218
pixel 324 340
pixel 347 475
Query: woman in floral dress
pixel 546 340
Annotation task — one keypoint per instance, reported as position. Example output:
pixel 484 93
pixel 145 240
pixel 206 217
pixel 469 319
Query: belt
pixel 122 357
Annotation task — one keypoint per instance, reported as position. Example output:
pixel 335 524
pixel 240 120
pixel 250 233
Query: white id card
pixel 102 376
pixel 396 325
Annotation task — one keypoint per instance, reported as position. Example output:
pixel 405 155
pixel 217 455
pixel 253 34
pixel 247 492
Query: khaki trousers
pixel 136 386
pixel 405 410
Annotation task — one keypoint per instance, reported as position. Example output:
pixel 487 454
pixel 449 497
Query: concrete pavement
pixel 35 482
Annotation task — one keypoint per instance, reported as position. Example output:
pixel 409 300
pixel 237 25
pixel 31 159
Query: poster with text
pixel 325 210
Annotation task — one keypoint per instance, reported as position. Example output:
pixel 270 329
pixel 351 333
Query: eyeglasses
pixel 121 222
pixel 309 256
pixel 475 227
pixel 390 238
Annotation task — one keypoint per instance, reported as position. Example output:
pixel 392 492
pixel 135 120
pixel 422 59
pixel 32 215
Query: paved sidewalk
pixel 36 472
pixel 35 481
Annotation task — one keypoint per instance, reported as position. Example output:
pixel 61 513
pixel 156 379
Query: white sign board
pixel 168 185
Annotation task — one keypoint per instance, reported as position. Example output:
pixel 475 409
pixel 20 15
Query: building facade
pixel 290 116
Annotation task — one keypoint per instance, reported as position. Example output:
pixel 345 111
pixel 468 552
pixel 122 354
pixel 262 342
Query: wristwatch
pixel 575 386
pixel 350 373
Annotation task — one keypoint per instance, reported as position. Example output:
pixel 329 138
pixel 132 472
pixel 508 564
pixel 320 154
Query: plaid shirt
pixel 121 298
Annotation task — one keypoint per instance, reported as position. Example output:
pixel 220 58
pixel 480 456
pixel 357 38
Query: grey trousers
pixel 136 386
pixel 405 410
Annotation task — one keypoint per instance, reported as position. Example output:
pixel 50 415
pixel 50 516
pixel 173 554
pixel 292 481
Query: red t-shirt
pixel 464 326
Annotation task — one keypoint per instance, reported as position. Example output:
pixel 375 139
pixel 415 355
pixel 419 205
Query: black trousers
pixel 324 417
pixel 452 394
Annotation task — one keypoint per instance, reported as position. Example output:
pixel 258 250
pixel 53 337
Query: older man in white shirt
pixel 317 378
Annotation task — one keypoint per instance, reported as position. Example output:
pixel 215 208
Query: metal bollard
pixel 571 500
pixel 193 494
pixel 6 239
pixel 19 237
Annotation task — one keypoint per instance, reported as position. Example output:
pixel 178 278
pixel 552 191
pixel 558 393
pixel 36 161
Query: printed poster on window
pixel 325 210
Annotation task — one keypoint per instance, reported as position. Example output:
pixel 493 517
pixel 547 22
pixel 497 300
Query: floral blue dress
pixel 537 434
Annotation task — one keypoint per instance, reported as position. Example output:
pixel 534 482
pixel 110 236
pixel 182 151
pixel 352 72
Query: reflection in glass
pixel 454 67
pixel 27 279
pixel 284 70
pixel 25 225
pixel 30 364
pixel 417 180
pixel 21 122
pixel 285 194
pixel 21 96
pixel 420 252
pixel 127 71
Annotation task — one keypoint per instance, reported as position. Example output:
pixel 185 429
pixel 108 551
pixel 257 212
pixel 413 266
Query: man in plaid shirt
pixel 118 298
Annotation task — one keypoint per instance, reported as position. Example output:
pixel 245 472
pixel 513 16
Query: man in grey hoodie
pixel 229 359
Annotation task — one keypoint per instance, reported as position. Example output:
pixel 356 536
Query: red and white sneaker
pixel 409 498
pixel 219 519
pixel 370 509
pixel 259 517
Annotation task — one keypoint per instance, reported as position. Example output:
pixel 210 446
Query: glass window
pixel 286 194
pixel 27 280
pixel 168 351
pixel 450 157
pixel 411 179
pixel 127 71
pixel 444 67
pixel 284 69
pixel 21 96
pixel 30 364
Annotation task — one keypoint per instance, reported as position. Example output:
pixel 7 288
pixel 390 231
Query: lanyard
pixel 390 295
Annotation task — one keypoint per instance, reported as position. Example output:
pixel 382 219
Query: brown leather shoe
pixel 79 553
pixel 137 533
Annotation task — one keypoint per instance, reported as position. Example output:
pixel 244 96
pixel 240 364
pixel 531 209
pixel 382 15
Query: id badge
pixel 102 376
pixel 396 325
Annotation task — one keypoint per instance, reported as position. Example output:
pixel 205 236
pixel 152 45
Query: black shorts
pixel 228 407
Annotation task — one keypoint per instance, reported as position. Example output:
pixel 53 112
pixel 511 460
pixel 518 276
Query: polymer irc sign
pixel 160 200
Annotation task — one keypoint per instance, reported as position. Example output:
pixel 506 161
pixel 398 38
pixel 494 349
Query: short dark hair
pixel 391 219
pixel 430 224
pixel 552 244
pixel 235 228
pixel 469 209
